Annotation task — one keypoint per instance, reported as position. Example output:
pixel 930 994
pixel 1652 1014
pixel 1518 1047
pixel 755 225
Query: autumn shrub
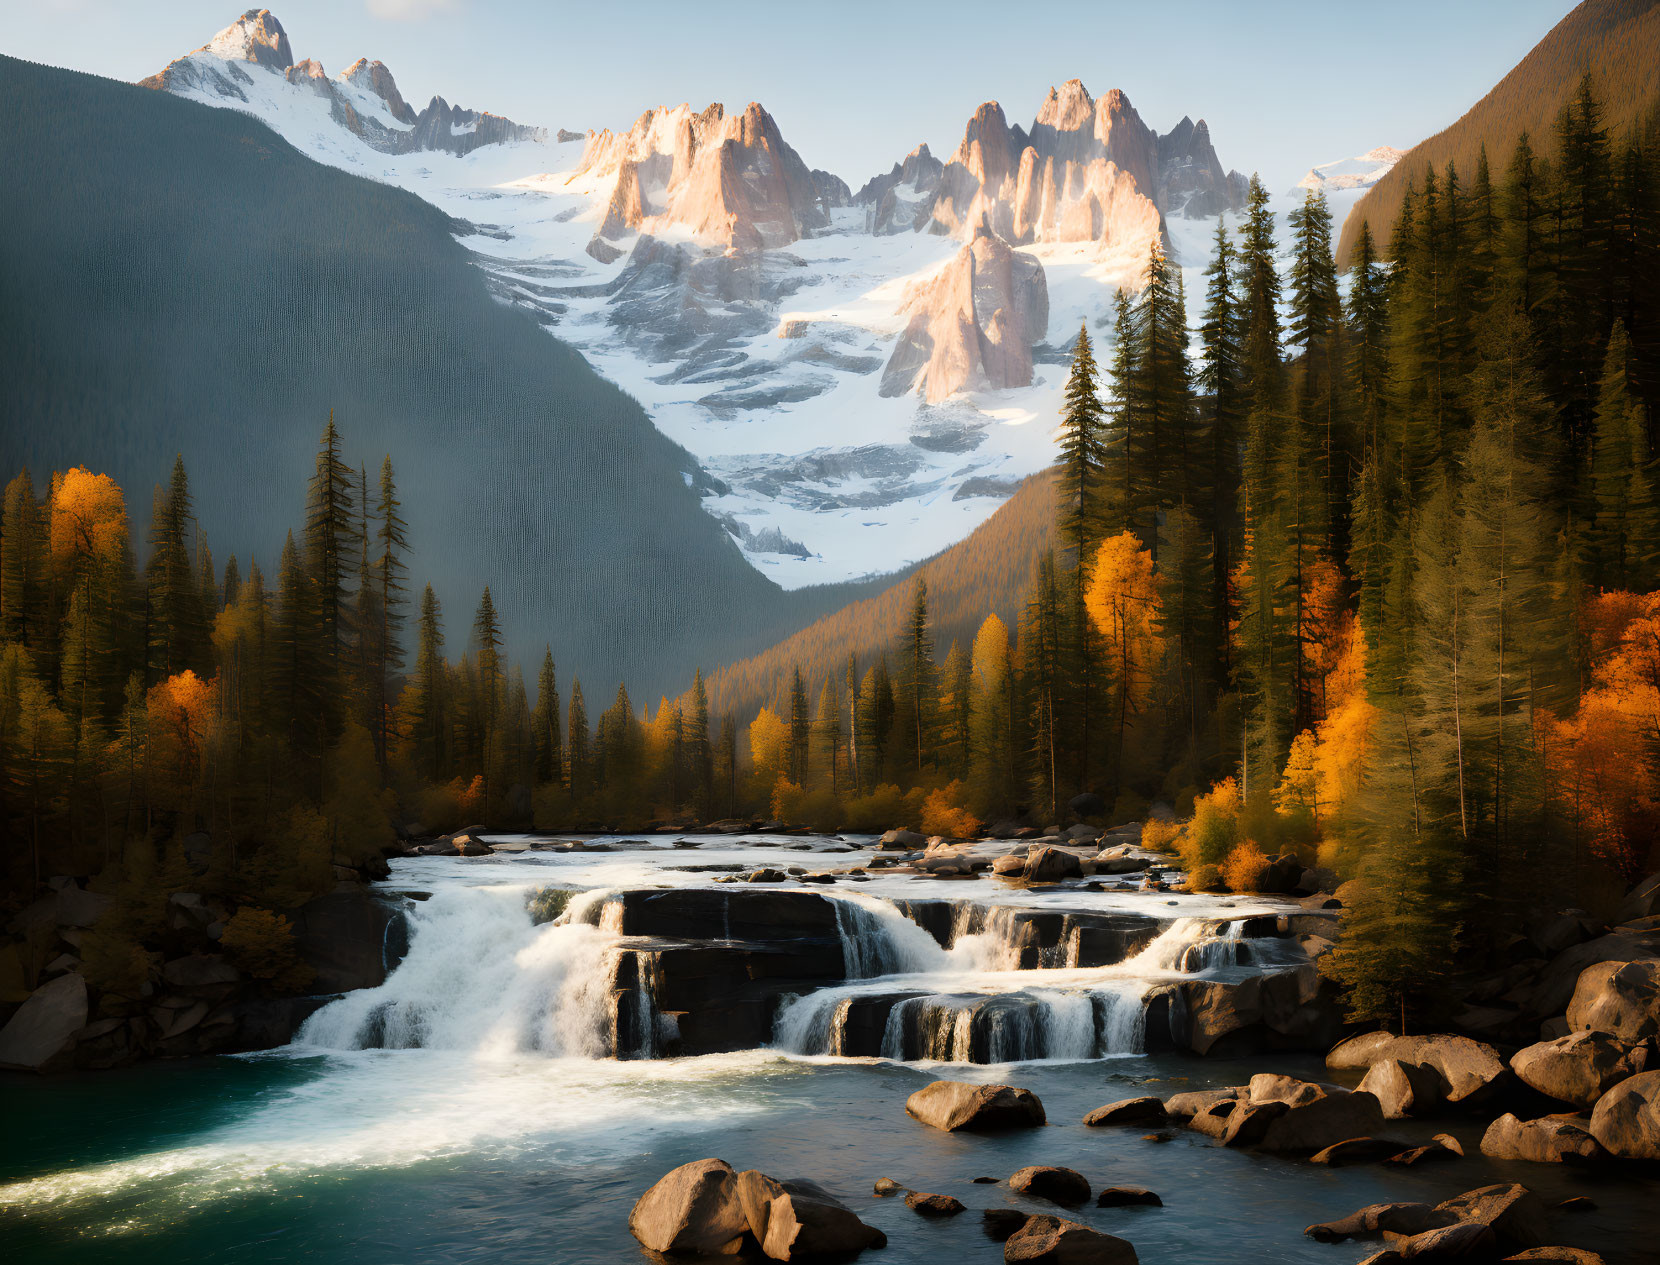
pixel 1245 868
pixel 1215 829
pixel 943 814
pixel 439 806
pixel 1160 834
pixel 1204 878
pixel 261 944
pixel 882 809
pixel 115 963
pixel 786 801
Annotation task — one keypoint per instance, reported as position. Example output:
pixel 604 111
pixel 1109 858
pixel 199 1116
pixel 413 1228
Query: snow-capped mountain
pixel 1352 173
pixel 250 64
pixel 861 379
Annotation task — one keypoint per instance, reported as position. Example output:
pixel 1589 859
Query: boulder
pixel 42 1032
pixel 1056 1241
pixel 1626 1120
pixel 954 1105
pixel 999 1223
pixel 1619 998
pixel 1515 1214
pixel 1557 983
pixel 1461 1241
pixel 691 1209
pixel 1213 1120
pixel 1580 1067
pixel 1357 1151
pixel 1050 865
pixel 1120 864
pixel 1314 1116
pixel 1087 804
pixel 1248 1123
pixel 343 937
pixel 1443 1146
pixel 1127 1197
pixel 1375 1219
pixel 1402 1088
pixel 1186 1106
pixel 1136 1111
pixel 1009 864
pixel 901 841
pixel 933 1205
pixel 886 1186
pixel 1456 1068
pixel 1557 1256
pixel 799 1219
pixel 1082 833
pixel 1357 1053
pixel 1057 1185
pixel 1548 1140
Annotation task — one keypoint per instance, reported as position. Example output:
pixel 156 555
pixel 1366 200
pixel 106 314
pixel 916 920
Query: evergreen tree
pixel 177 618
pixel 916 696
pixel 331 550
pixel 800 730
pixel 23 579
pixel 1082 451
pixel 1220 381
pixel 1160 449
pixel 545 724
pixel 487 640
pixel 956 713
pixel 1260 297
pixel 387 582
pixel 1625 532
pixel 425 702
pixel 702 762
pixel 827 727
pixel 579 768
pixel 1041 641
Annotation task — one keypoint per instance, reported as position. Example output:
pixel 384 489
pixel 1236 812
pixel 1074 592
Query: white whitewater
pixel 482 977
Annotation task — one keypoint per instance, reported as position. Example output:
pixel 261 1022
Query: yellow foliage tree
pixel 943 814
pixel 181 713
pixel 769 748
pixel 1122 599
pixel 1244 868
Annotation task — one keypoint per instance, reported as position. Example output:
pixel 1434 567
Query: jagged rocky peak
pixel 364 100
pixel 902 199
pixel 255 37
pixel 1089 169
pixel 730 179
pixel 1352 173
pixel 972 324
pixel 373 76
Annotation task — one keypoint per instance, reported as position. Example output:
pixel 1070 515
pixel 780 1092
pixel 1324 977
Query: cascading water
pixel 481 975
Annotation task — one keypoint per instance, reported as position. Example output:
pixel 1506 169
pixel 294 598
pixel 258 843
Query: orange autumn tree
pixel 181 714
pixel 1122 599
pixel 87 538
pixel 1602 758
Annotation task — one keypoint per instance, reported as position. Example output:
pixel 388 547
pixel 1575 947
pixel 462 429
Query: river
pixel 499 1128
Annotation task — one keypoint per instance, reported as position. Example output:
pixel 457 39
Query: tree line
pixel 1364 571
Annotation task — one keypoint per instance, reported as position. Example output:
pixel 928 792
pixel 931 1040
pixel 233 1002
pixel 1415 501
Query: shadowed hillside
pixel 178 279
pixel 988 572
pixel 1616 41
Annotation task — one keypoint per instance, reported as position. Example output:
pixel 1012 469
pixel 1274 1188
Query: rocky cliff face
pixel 973 324
pixel 251 60
pixel 731 180
pixel 1088 170
pixel 902 199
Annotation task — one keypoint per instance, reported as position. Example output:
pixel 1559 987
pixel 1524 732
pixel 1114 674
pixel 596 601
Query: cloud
pixel 408 10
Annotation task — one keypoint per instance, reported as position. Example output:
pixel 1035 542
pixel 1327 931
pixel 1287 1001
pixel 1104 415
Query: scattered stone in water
pixel 986 1181
pixel 1357 1151
pixel 953 1105
pixel 1146 1110
pixel 1001 1223
pixel 1057 1185
pixel 766 876
pixel 1579 1203
pixel 886 1186
pixel 1127 1197
pixel 929 1205
pixel 1054 1239
pixel 1158 1137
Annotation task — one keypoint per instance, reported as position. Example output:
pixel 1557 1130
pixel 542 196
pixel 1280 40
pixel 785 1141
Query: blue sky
pixel 856 84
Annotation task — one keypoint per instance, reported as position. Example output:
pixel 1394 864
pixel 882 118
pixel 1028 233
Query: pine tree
pixel 916 697
pixel 1220 380
pixel 1082 451
pixel 487 641
pixel 1522 230
pixel 1260 297
pixel 331 549
pixel 703 769
pixel 294 660
pixel 994 776
pixel 425 702
pixel 1368 326
pixel 956 720
pixel 1160 448
pixel 545 724
pixel 177 618
pixel 387 582
pixel 22 564
pixel 1124 424
pixel 579 767
pixel 850 688
pixel 827 727
pixel 1041 640
pixel 800 730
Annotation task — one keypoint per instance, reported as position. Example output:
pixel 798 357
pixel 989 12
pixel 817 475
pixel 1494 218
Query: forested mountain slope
pixel 1615 41
pixel 984 574
pixel 179 279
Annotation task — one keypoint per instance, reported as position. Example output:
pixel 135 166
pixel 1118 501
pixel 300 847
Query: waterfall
pixel 877 939
pixel 480 976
